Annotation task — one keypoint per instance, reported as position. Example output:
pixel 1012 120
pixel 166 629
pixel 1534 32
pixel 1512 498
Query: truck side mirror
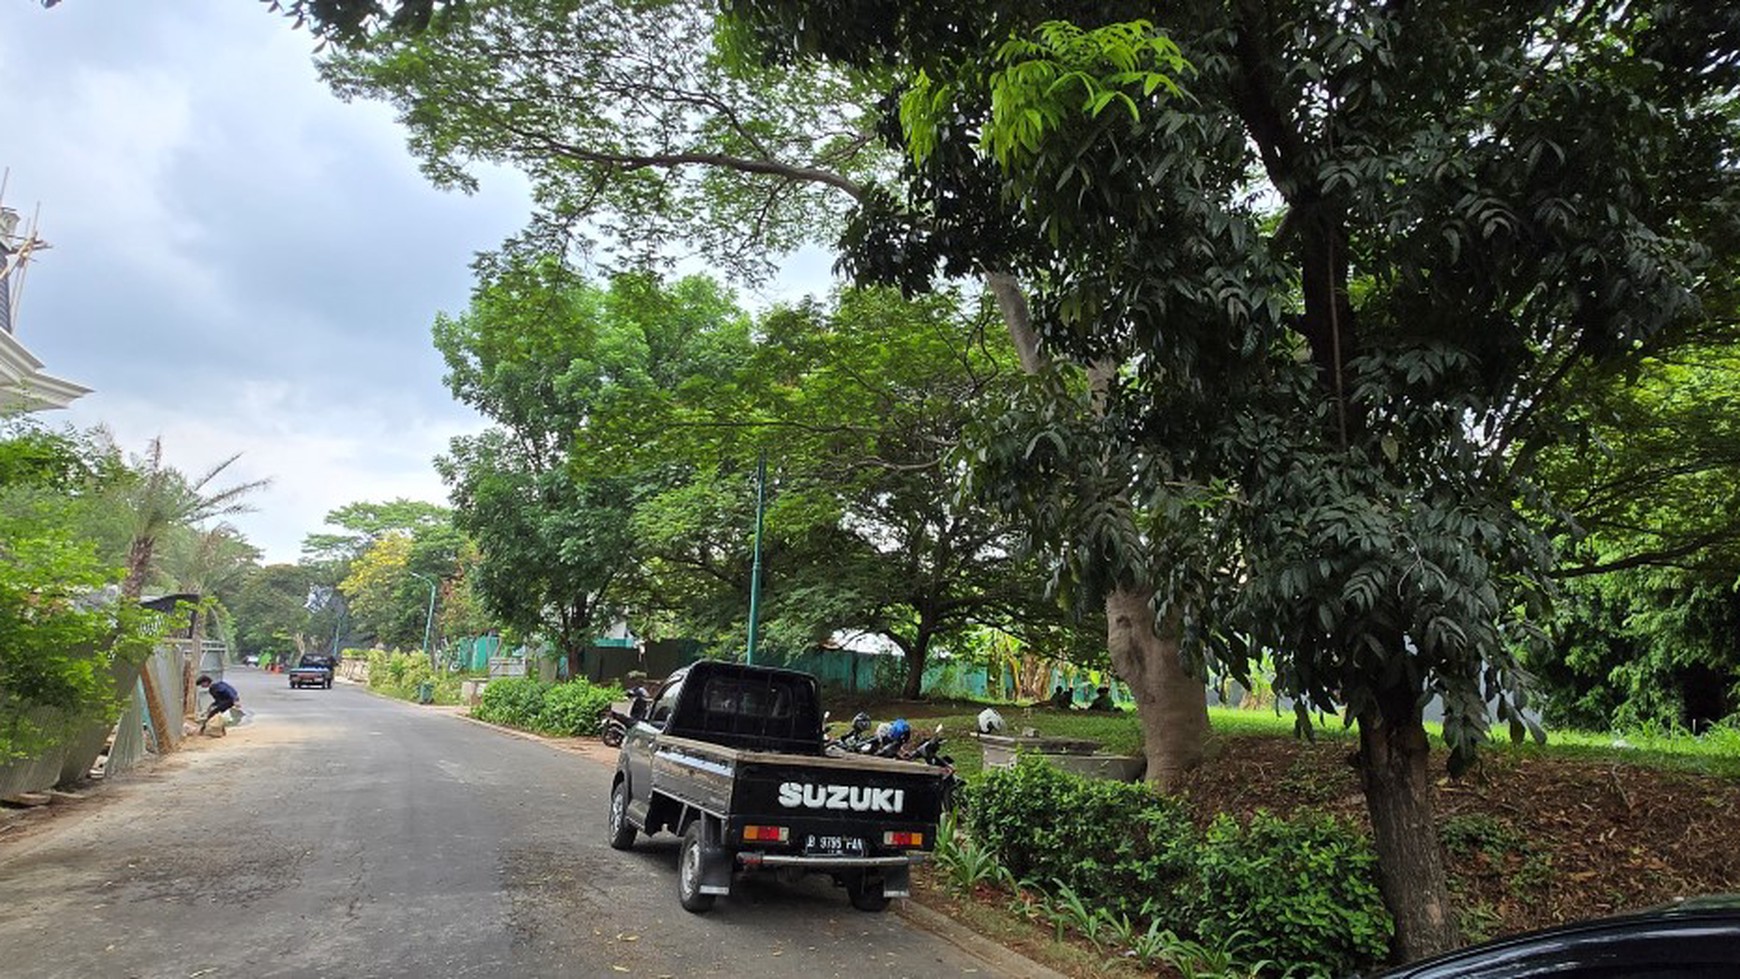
pixel 637 708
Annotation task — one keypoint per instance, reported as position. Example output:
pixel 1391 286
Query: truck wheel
pixel 689 872
pixel 866 892
pixel 621 830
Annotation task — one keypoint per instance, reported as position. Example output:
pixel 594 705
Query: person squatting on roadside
pixel 223 698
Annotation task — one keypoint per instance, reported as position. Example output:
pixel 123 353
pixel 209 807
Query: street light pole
pixel 429 619
pixel 755 564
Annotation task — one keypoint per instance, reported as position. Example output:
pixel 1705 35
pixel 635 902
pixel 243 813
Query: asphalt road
pixel 342 834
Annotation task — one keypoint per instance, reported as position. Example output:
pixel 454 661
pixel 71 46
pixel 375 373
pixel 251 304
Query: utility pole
pixel 429 619
pixel 755 564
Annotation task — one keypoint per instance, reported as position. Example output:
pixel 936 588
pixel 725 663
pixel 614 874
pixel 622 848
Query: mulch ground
pixel 1530 841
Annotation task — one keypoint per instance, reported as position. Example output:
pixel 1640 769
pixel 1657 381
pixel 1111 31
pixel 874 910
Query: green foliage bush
pixel 396 673
pixel 58 638
pixel 1115 843
pixel 574 709
pixel 515 701
pixel 1298 891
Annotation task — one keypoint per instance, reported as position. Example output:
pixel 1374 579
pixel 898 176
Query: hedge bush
pixel 1302 889
pixel 1299 891
pixel 514 701
pixel 399 675
pixel 573 709
pixel 1117 844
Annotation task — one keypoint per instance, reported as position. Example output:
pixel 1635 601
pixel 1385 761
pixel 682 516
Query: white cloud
pixel 318 458
pixel 241 262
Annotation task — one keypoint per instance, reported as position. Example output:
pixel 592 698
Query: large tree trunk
pixel 1398 793
pixel 1171 703
pixel 916 653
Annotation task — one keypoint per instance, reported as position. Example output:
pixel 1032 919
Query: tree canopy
pixel 1357 273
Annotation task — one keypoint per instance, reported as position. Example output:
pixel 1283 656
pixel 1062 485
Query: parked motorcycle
pixel 854 740
pixel 890 742
pixel 929 751
pixel 616 724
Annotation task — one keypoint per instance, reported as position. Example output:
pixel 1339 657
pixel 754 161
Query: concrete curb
pixel 1004 961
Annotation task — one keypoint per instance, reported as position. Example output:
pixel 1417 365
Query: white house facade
pixel 24 385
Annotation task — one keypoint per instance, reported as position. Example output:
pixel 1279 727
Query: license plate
pixel 834 846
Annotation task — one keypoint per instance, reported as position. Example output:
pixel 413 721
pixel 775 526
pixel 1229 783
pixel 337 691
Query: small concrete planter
pixel 1077 755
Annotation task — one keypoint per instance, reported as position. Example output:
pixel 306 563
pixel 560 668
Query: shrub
pixel 1294 894
pixel 514 701
pixel 398 674
pixel 1301 891
pixel 575 708
pixel 1118 845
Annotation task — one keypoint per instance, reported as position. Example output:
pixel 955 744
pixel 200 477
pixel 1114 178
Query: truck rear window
pixel 751 708
pixel 730 696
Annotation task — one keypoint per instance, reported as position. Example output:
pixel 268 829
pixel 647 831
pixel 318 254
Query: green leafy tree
pixel 271 610
pixel 420 537
pixel 1646 636
pixel 880 391
pixel 364 522
pixel 735 156
pixel 204 563
pixel 377 588
pixel 460 611
pixel 1371 373
pixel 639 127
pixel 858 406
pixel 60 637
pixel 541 355
pixel 155 499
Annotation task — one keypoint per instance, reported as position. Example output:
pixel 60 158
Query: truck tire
pixel 689 871
pixel 621 830
pixel 866 892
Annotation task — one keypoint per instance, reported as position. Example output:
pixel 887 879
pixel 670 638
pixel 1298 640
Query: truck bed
pixel 749 786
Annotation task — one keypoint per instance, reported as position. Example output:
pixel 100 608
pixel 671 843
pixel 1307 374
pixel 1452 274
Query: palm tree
pixel 202 562
pixel 155 499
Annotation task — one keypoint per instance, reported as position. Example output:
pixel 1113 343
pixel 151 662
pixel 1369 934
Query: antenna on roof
pixel 15 254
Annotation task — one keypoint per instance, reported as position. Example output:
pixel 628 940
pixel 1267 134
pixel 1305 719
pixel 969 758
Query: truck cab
pixel 729 757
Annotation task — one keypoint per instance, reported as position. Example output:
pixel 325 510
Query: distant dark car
pixel 1694 938
pixel 312 671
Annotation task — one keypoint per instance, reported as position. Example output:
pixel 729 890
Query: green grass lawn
pixel 1716 753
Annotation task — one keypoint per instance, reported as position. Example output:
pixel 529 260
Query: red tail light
pixel 766 834
pixel 903 840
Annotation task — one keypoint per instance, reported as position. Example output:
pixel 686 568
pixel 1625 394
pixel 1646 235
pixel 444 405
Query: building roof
pixel 24 386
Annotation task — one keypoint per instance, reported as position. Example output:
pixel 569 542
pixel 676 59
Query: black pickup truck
pixel 730 758
pixel 313 670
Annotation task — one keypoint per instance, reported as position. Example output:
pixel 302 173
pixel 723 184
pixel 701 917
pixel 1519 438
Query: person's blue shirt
pixel 223 693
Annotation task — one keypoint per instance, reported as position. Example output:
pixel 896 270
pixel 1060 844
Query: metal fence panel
pixel 41 772
pixel 129 747
pixel 165 667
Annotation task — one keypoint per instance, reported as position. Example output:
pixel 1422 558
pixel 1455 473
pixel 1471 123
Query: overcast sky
pixel 240 262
